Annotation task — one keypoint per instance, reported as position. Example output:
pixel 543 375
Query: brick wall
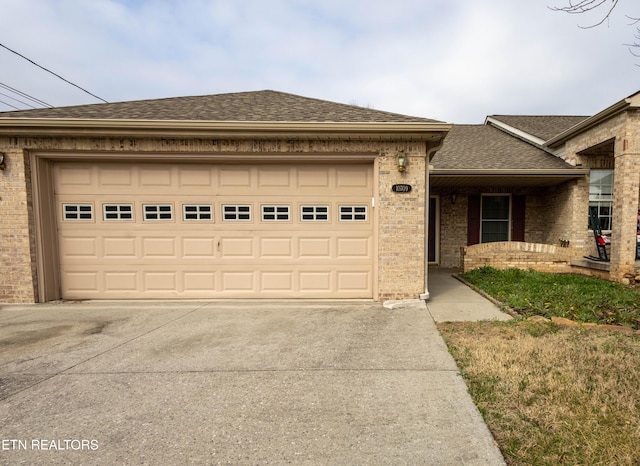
pixel 400 233
pixel 503 255
pixel 16 231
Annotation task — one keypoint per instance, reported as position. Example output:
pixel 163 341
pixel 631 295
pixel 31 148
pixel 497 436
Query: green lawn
pixel 576 297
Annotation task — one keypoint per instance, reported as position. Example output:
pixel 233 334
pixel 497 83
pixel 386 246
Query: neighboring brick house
pixel 520 188
pixel 254 195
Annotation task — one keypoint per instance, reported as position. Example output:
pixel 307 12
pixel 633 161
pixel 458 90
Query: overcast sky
pixel 451 60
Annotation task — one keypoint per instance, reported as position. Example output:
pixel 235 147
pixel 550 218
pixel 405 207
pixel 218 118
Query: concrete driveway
pixel 232 382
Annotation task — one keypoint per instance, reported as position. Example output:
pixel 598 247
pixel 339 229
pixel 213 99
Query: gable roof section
pixel 482 155
pixel 537 129
pixel 237 114
pixel 241 106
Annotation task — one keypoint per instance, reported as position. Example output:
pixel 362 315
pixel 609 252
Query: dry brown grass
pixel 553 395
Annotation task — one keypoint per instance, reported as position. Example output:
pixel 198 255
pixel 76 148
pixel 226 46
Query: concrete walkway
pixel 232 382
pixel 452 301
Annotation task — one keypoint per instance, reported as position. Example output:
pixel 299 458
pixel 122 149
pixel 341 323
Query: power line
pixel 24 94
pixel 17 100
pixel 56 75
pixel 9 105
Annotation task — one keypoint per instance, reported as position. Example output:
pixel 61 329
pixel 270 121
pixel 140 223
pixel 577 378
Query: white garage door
pixel 212 231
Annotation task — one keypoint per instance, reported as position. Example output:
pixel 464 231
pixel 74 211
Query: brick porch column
pixel 625 206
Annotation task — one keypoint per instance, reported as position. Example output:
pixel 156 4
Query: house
pixel 272 195
pixel 246 195
pixel 517 191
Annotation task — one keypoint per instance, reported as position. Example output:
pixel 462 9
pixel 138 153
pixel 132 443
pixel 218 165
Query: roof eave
pixel 563 172
pixel 231 129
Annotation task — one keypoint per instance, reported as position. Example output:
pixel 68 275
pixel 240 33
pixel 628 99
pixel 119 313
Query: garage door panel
pixel 154 248
pixel 238 281
pixel 355 281
pixel 199 282
pixel 196 178
pixel 81 281
pixel 121 282
pixel 276 248
pixel 158 176
pixel 212 257
pixel 236 177
pixel 316 281
pixel 237 248
pixel 79 247
pixel 313 178
pixel 198 248
pixel 315 247
pixel 276 177
pixel 115 176
pixel 119 248
pixel 271 281
pixel 160 281
pixel 354 247
pixel 353 179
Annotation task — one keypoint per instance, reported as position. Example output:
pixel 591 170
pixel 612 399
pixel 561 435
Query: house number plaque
pixel 401 188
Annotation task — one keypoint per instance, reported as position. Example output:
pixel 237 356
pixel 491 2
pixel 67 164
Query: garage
pixel 259 194
pixel 214 230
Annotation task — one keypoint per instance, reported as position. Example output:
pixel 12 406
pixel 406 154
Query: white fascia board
pixel 514 131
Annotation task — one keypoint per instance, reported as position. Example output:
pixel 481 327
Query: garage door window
pixel 191 212
pixel 236 212
pixel 275 213
pixel 353 213
pixel 314 213
pixel 117 212
pixel 158 212
pixel 77 211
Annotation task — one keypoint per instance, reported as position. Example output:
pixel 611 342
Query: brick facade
pixel 624 130
pixel 400 217
pixel 16 230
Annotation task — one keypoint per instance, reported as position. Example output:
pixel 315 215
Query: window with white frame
pixel 494 218
pixel 275 213
pixel 314 213
pixel 236 212
pixel 601 196
pixel 117 212
pixel 353 213
pixel 197 212
pixel 77 211
pixel 157 212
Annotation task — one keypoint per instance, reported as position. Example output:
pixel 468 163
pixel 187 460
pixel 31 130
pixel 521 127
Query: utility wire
pixel 9 105
pixel 56 75
pixel 23 94
pixel 17 100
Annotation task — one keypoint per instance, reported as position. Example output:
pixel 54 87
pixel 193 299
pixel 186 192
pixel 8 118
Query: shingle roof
pixel 257 106
pixel 544 127
pixel 472 147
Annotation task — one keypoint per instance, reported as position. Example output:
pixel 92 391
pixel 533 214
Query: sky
pixel 451 60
